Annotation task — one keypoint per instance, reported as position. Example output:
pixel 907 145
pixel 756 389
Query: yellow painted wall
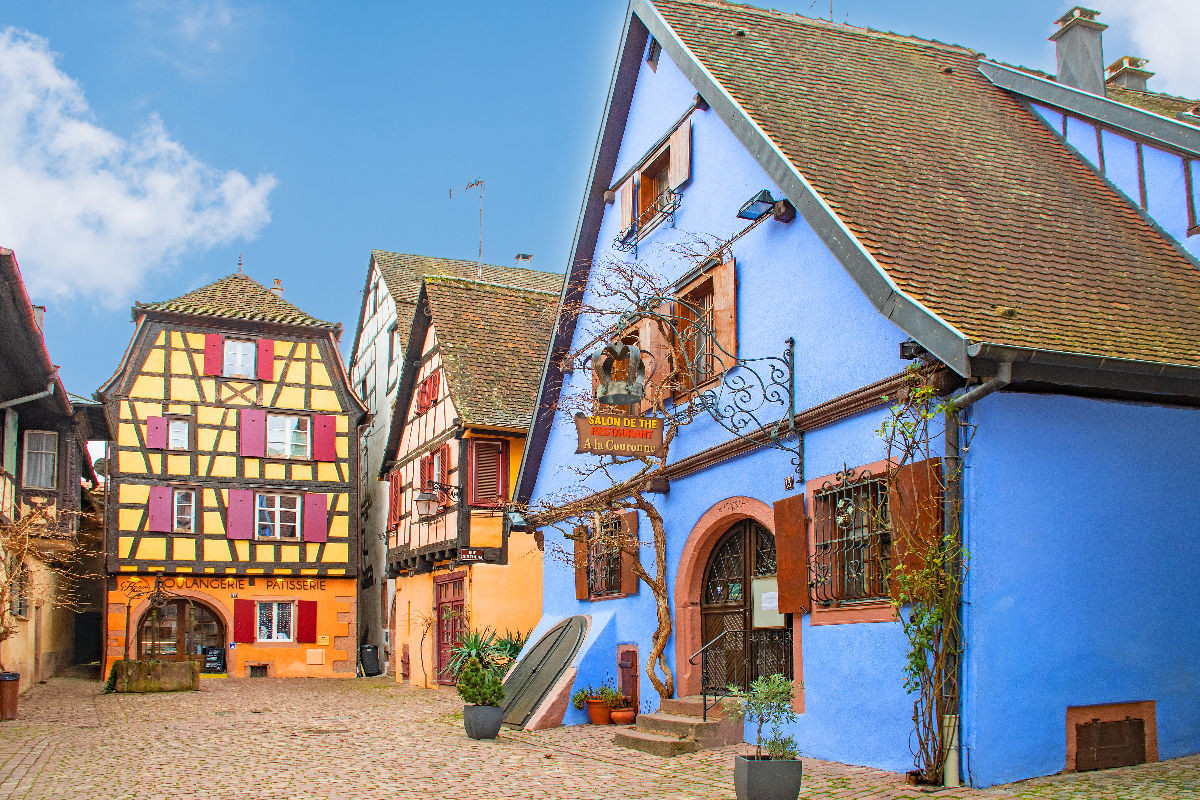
pixel 57 624
pixel 508 597
pixel 414 627
pixel 336 619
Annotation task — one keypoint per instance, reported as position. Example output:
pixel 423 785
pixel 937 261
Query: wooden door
pixel 448 593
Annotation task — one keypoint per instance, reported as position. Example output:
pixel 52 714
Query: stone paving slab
pixel 283 739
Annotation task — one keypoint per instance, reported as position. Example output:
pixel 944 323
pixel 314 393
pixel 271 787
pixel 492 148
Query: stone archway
pixel 689 579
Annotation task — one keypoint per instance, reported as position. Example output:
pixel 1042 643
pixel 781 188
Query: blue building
pixel 1036 237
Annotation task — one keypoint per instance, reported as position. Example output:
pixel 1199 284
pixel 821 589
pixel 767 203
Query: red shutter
pixel 160 510
pixel 252 432
pixel 316 517
pixel 791 553
pixel 306 621
pixel 214 354
pixel 266 360
pixel 324 437
pixel 393 504
pixel 156 433
pixel 239 514
pixel 580 559
pixel 630 552
pixel 443 476
pixel 488 474
pixel 243 621
pixel 435 384
pixel 422 397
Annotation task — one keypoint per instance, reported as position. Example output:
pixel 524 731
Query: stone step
pixel 678 725
pixel 654 743
pixel 692 706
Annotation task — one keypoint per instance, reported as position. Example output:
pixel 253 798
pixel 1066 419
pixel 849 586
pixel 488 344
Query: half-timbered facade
pixel 464 403
pixel 232 475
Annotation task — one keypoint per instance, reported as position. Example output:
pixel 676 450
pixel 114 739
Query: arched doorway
pixel 183 630
pixel 740 571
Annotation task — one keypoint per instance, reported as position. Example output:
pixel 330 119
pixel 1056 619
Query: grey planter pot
pixel 482 722
pixel 763 779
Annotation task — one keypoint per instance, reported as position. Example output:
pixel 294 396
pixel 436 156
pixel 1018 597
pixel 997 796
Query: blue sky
pixel 144 144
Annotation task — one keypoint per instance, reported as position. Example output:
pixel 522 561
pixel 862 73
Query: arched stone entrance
pixel 182 629
pixel 712 526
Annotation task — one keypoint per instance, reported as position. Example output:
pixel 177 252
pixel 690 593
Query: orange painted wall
pixel 336 619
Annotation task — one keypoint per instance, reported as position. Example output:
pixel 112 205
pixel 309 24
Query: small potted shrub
pixel 773 772
pixel 623 712
pixel 598 701
pixel 483 693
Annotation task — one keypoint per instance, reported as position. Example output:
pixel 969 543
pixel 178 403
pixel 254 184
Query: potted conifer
pixel 483 693
pixel 773 772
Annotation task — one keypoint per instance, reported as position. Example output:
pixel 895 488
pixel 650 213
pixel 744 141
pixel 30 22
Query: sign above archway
pixel 619 435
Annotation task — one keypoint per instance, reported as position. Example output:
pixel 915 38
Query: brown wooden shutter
pixel 580 559
pixel 625 204
pixel 791 553
pixel 656 353
pixel 915 513
pixel 680 168
pixel 725 309
pixel 629 540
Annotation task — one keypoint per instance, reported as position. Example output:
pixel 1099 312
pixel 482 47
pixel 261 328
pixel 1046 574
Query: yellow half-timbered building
pixel 232 474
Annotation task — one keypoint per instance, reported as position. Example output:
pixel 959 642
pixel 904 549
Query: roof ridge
pixel 454 279
pixel 207 301
pixel 860 30
pixel 463 261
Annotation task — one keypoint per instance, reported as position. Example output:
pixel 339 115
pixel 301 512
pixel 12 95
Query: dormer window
pixel 239 358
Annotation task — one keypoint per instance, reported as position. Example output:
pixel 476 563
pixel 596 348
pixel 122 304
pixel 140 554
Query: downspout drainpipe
pixel 29 398
pixel 953 519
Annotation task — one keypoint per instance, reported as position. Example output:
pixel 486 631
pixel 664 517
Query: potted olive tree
pixel 483 693
pixel 773 772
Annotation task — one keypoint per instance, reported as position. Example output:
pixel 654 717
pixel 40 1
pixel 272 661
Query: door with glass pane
pixel 179 630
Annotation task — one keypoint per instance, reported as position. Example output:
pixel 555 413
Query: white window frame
pixel 175 497
pixel 274 605
pixel 274 509
pixel 239 353
pixel 18 601
pixel 173 428
pixel 286 441
pixel 28 451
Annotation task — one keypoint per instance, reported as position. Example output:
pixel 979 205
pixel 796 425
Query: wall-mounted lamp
pixel 757 206
pixel 427 501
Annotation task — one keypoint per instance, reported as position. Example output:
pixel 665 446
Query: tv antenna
pixel 480 185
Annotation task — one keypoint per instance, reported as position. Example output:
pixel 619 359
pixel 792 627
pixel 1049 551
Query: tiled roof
pixel 403 272
pixel 493 342
pixel 1167 105
pixel 970 204
pixel 236 296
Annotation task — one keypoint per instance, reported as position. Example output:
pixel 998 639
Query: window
pixel 393 344
pixel 852 545
pixel 288 436
pixel 435 468
pixel 278 516
pixel 275 621
pixel 604 559
pixel 653 51
pixel 1191 179
pixel 41 460
pixel 489 472
pixel 698 346
pixel 427 393
pixel 178 434
pixel 184 505
pixel 239 358
pixel 651 191
pixel 19 599
pixel 372 300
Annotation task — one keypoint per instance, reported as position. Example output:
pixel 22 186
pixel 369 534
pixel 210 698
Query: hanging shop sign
pixel 619 435
pixel 470 554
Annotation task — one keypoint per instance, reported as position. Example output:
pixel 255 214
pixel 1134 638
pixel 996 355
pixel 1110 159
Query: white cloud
pixel 191 35
pixel 89 212
pixel 1167 33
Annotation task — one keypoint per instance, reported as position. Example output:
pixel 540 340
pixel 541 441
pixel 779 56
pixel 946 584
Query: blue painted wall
pixel 1166 193
pixel 788 285
pixel 1084 545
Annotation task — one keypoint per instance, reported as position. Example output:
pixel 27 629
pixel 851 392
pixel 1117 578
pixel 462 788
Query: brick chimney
pixel 1127 73
pixel 277 288
pixel 1080 56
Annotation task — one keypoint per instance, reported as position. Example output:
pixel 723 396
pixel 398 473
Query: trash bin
pixel 10 688
pixel 368 655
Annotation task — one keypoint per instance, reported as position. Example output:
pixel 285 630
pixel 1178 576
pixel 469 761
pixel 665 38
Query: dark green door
pixel 540 669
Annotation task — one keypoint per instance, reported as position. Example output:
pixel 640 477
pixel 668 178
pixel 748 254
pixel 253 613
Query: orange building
pixel 232 475
pixel 463 405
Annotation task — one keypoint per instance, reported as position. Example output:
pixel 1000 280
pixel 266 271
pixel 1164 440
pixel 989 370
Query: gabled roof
pixel 959 214
pixel 968 203
pixel 492 340
pixel 236 296
pixel 24 359
pixel 1180 108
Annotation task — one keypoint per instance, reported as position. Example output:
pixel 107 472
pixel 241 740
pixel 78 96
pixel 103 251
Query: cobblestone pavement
pixel 279 739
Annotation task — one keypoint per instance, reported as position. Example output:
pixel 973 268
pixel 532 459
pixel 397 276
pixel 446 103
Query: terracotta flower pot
pixel 624 716
pixel 598 712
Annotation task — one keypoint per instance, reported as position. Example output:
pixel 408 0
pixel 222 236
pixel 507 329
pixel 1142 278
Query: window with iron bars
pixel 604 559
pixel 852 542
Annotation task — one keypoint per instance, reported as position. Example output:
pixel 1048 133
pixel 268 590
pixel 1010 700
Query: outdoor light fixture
pixel 617 392
pixel 756 207
pixel 426 503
